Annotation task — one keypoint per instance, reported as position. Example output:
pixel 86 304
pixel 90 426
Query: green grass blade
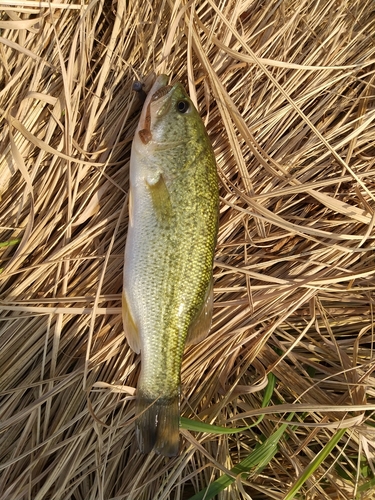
pixel 194 425
pixel 315 464
pixel 258 459
pixel 369 485
pixel 9 243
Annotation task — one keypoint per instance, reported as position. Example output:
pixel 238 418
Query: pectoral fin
pixel 160 197
pixel 201 324
pixel 130 328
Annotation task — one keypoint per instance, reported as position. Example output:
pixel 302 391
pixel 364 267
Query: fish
pixel 167 295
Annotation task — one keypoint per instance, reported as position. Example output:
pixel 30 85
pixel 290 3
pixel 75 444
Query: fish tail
pixel 157 424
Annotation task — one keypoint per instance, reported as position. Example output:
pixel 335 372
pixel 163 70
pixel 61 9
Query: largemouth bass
pixel 173 214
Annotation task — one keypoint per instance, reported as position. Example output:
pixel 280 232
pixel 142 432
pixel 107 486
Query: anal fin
pixel 201 324
pixel 130 328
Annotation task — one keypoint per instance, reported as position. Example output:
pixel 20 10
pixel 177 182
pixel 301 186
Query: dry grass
pixel 286 89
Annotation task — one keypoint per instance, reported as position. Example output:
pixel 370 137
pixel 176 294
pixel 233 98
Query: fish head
pixel 169 117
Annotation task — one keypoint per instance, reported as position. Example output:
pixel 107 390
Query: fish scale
pixel 167 297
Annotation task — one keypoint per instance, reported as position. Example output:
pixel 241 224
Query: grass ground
pixel 286 90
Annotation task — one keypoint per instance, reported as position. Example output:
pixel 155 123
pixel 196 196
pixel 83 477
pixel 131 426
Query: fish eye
pixel 183 106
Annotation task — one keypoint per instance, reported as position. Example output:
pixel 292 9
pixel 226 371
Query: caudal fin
pixel 157 424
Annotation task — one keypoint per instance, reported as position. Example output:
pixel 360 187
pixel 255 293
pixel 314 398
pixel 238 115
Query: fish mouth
pixel 158 92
